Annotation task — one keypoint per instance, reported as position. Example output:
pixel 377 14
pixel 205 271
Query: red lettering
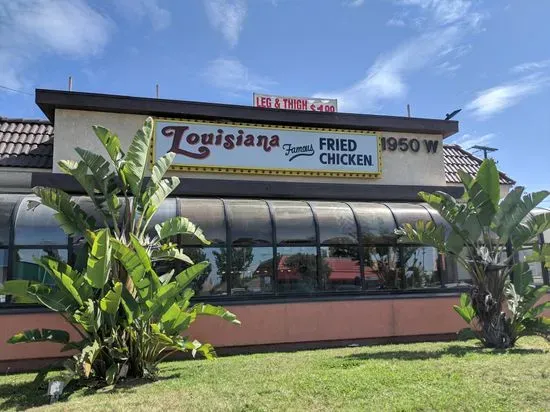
pixel 176 133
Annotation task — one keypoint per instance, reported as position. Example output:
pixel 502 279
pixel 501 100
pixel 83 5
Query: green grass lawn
pixel 424 376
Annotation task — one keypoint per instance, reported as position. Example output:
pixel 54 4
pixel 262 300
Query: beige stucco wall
pixel 73 128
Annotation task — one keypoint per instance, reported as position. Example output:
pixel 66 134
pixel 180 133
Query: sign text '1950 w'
pixel 403 144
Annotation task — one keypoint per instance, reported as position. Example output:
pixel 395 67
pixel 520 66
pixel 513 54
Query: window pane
pixel 252 270
pixel 37 226
pixel 26 268
pixel 294 223
pixel 336 223
pixel 381 267
pixel 249 222
pixel 376 222
pixel 207 214
pixel 7 204
pixel 213 281
pixel 3 270
pixel 408 213
pixel 420 268
pixel 297 269
pixel 455 274
pixel 340 268
pixel 536 267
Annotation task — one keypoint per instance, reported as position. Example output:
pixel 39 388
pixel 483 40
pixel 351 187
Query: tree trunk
pixel 493 322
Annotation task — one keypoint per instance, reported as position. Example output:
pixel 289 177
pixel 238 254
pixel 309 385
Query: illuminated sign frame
pixel 239 169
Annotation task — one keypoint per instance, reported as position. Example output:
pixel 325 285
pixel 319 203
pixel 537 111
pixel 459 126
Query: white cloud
pixel 447 67
pixel 231 75
pixel 468 140
pixel 530 66
pixel 354 3
pixel 444 12
pixel 396 22
pixel 227 16
pixel 31 28
pixel 496 99
pixel 385 79
pixel 160 17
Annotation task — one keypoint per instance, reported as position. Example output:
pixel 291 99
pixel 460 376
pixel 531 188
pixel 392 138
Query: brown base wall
pixel 272 327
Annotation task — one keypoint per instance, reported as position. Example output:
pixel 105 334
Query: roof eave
pixel 49 100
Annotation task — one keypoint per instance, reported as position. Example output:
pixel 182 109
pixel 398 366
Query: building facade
pixel 301 209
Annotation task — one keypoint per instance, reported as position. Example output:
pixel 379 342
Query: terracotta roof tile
pixel 26 143
pixel 29 143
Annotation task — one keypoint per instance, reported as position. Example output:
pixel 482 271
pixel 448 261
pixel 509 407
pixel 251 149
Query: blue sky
pixel 491 58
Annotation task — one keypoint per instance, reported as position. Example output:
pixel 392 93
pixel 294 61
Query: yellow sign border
pixel 262 171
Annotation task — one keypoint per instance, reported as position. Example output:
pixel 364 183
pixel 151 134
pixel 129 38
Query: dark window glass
pixel 37 226
pixel 297 269
pixel 336 223
pixel 213 281
pixel 207 214
pixel 340 268
pixel 7 205
pixel 26 267
pixel 294 223
pixel 249 222
pixel 419 269
pixel 252 270
pixel 376 222
pixel 3 270
pixel 536 267
pixel 408 213
pixel 381 267
pixel 455 275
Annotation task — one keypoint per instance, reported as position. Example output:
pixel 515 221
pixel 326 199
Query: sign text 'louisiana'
pixel 275 150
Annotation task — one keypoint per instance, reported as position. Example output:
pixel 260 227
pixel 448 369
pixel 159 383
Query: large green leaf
pixel 465 309
pixel 99 260
pixel 145 261
pixel 175 320
pixel 170 251
pixel 179 226
pixel 219 311
pixel 110 142
pixel 63 275
pixel 185 277
pixel 111 301
pixel 88 357
pixel 488 178
pixel 19 289
pixel 73 220
pixel 88 317
pixel 153 198
pixel 41 335
pixel 161 166
pixel 136 158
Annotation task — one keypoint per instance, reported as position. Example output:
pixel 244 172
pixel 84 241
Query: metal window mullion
pixel 545 275
pixel 439 257
pixel 229 246
pixel 317 246
pixel 274 262
pixel 361 247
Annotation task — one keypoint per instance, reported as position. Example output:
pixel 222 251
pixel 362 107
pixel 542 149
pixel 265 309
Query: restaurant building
pixel 301 209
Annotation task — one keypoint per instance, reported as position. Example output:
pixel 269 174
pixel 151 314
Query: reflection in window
pixel 420 268
pixel 251 270
pixel 3 270
pixel 381 267
pixel 27 268
pixel 34 227
pixel 341 270
pixel 213 281
pixel 297 269
pixel 536 267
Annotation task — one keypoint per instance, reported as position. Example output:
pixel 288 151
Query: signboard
pixel 295 103
pixel 202 146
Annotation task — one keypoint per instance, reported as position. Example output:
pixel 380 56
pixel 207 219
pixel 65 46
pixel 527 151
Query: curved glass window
pixel 420 269
pixel 251 270
pixel 336 223
pixel 294 224
pixel 167 209
pixel 249 222
pixel 381 267
pixel 207 214
pixel 27 268
pixel 214 280
pixel 408 213
pixel 376 223
pixel 37 226
pixel 340 269
pixel 7 205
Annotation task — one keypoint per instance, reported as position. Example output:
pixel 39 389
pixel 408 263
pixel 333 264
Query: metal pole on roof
pixel 70 83
pixel 157 88
pixel 408 110
pixel 485 149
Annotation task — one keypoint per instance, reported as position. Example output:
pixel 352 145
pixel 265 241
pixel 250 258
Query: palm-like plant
pixel 127 315
pixel 483 233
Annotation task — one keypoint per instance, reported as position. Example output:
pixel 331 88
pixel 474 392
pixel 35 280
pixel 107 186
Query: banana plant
pixel 127 316
pixel 482 234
